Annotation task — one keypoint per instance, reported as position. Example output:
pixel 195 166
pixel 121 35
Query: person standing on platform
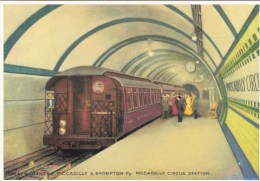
pixel 188 108
pixel 165 107
pixel 195 107
pixel 180 107
pixel 174 108
pixel 169 105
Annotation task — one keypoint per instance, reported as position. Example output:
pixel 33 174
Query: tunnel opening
pixel 193 89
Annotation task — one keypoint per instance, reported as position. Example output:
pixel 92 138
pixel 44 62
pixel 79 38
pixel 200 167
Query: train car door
pixel 81 105
pixel 104 110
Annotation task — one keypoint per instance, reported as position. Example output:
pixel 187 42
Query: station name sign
pixel 249 83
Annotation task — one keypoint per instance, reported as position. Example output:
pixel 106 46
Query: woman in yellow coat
pixel 188 108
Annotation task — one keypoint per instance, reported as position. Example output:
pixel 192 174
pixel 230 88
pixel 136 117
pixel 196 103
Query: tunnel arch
pixel 112 23
pixel 99 62
pixel 192 88
pixel 162 71
pixel 142 55
pixel 168 75
pixel 155 60
pixel 159 70
pixel 170 78
pixel 10 42
pixel 130 20
pixel 161 62
pixel 158 38
pixel 173 8
pixel 49 8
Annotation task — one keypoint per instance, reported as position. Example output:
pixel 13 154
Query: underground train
pixel 167 88
pixel 91 107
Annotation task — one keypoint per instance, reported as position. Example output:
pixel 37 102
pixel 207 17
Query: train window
pixel 145 97
pixel 152 96
pixel 108 96
pixel 135 93
pixel 148 96
pixel 141 98
pixel 135 100
pixel 129 101
pixel 129 96
pixel 157 97
pixel 78 85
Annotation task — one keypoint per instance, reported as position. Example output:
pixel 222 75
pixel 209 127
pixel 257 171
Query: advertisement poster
pixel 130 90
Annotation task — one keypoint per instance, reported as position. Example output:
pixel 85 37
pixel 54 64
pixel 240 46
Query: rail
pixel 44 164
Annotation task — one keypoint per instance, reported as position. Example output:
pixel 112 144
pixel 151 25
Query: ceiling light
pixel 150 50
pixel 194 37
pixel 150 53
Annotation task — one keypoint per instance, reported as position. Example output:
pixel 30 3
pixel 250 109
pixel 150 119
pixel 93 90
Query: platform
pixel 165 149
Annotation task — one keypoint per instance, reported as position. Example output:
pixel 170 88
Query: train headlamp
pixel 62 131
pixel 62 123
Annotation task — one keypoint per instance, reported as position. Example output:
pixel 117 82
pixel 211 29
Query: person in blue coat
pixel 180 106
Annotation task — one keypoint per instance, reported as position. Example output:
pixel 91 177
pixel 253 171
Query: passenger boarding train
pixel 91 107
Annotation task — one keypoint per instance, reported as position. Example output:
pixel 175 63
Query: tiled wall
pixel 240 74
pixel 23 114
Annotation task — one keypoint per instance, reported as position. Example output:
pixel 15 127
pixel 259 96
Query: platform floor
pixel 165 149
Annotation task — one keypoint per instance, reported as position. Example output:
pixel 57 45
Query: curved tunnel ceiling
pixel 58 37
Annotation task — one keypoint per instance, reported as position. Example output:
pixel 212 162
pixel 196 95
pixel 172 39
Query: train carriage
pixel 180 90
pixel 91 107
pixel 170 88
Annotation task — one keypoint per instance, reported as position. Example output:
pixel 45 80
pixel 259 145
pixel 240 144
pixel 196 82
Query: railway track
pixel 44 164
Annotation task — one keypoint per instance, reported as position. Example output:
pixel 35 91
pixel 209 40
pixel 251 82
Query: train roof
pixel 85 70
pixel 167 84
pixel 167 87
pixel 136 83
pixel 92 70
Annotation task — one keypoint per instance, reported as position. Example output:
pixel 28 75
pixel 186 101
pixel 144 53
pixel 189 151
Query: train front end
pixel 81 112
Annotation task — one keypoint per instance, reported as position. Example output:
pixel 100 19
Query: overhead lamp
pixel 150 51
pixel 194 36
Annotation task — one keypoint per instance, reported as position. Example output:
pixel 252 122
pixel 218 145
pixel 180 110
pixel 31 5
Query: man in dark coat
pixel 180 107
pixel 195 107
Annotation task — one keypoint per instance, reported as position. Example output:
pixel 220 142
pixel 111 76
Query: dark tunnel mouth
pixel 192 88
